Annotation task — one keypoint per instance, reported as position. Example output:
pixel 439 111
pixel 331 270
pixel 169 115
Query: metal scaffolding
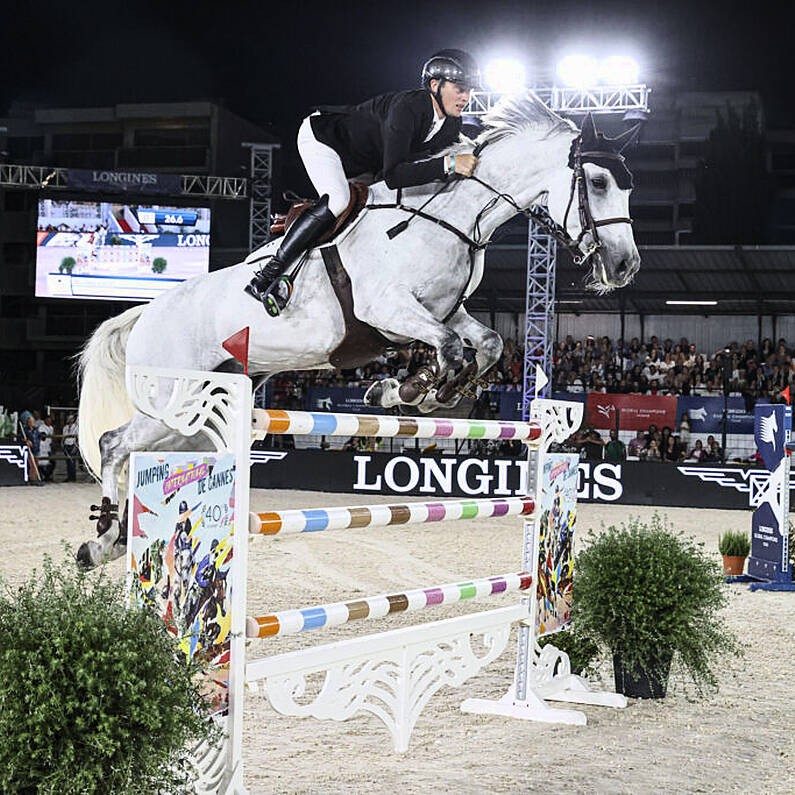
pixel 261 172
pixel 541 248
pixel 17 176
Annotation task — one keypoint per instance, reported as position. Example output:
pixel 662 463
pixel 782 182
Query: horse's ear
pixel 588 129
pixel 627 138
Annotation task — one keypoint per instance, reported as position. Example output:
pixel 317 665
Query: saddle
pixel 281 222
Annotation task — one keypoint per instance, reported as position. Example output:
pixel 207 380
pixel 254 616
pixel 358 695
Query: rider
pixel 390 136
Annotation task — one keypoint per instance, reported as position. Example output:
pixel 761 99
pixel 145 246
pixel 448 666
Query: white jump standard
pixel 392 674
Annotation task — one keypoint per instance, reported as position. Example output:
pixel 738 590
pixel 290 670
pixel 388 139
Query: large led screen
pixel 122 252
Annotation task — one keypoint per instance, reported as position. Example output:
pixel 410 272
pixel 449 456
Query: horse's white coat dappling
pixel 403 286
pixel 391 674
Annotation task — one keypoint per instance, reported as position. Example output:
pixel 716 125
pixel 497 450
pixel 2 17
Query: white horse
pixel 409 286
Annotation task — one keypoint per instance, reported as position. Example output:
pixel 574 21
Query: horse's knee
pixel 491 348
pixel 451 351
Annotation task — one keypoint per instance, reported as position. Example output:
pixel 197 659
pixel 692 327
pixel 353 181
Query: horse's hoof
pixel 374 394
pixel 85 560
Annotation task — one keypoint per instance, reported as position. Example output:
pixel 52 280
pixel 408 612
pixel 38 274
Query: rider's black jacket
pixel 384 136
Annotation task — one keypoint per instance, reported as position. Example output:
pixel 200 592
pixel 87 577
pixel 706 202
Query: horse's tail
pixel 104 403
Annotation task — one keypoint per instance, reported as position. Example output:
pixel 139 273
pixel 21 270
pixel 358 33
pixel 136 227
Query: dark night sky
pixel 270 62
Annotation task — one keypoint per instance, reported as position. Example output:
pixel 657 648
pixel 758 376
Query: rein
pixel 538 213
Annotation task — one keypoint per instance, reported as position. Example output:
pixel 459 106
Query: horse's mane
pixel 515 112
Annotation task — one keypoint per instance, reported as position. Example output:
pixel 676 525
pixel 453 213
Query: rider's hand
pixel 465 164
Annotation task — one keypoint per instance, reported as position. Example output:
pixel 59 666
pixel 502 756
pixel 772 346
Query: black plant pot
pixel 636 682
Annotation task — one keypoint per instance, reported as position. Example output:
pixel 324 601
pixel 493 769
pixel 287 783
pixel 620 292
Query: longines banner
pixel 123 181
pixel 13 465
pixel 414 474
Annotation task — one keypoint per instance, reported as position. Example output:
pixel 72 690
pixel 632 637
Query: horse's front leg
pixel 487 345
pixel 140 433
pixel 409 319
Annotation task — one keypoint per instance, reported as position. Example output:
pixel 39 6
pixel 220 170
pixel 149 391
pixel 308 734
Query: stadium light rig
pixel 505 76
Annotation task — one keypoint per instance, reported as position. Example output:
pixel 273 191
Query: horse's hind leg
pixel 140 433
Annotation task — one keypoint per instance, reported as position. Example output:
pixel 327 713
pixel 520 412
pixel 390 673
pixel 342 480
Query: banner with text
pixel 123 181
pixel 635 412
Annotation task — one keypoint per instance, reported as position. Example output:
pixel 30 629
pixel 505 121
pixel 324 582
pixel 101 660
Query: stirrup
pixel 278 295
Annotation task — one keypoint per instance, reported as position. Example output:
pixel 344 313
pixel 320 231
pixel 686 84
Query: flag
pixel 785 395
pixel 237 345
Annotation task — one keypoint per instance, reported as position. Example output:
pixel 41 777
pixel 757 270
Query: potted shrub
pixel 67 264
pixel 94 697
pixel 159 265
pixel 734 546
pixel 648 595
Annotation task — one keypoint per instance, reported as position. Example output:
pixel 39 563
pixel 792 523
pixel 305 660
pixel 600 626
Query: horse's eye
pixel 600 183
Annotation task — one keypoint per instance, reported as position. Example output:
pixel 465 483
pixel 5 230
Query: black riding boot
pixel 268 284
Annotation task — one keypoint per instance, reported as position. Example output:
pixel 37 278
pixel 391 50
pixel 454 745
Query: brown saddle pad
pixel 282 221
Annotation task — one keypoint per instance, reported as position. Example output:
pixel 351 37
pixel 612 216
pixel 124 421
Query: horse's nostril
pixel 622 267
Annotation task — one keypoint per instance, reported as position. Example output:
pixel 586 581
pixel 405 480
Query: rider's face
pixel 454 96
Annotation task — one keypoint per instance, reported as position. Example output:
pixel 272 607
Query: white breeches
pixel 324 167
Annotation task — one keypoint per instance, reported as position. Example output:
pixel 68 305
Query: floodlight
pixel 578 71
pixel 618 70
pixel 505 76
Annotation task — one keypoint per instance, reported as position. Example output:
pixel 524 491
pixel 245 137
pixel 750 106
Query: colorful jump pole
pixel 317 519
pixel 322 424
pixel 289 622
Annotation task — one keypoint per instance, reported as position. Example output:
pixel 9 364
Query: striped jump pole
pixel 301 423
pixel 316 519
pixel 290 622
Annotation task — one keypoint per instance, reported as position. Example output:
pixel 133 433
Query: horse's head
pixel 590 200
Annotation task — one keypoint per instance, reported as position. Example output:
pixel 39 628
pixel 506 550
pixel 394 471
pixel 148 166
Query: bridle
pixel 579 186
pixel 537 212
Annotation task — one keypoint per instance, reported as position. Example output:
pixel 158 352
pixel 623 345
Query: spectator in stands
pixel 615 449
pixel 711 451
pixel 29 435
pixel 593 444
pixel 637 444
pixel 70 448
pixel 46 431
pixel 652 452
pixel 697 453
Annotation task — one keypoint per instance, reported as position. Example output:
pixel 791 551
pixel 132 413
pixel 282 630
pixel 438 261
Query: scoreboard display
pixel 124 252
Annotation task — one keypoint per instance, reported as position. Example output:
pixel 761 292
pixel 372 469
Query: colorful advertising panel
pixel 118 252
pixel 179 554
pixel 557 516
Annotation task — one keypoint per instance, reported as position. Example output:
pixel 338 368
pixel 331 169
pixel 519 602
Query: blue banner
pixel 338 399
pixel 123 181
pixel 706 414
pixel 511 402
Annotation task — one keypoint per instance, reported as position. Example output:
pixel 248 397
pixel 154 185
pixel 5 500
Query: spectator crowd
pixel 594 365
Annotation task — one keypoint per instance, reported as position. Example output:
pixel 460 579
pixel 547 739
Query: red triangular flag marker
pixel 237 345
pixel 785 394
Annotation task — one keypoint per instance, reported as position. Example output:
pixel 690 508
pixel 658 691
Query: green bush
pixel 644 592
pixel 67 264
pixel 92 697
pixel 159 264
pixel 734 543
pixel 581 650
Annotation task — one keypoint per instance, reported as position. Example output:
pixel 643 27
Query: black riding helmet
pixel 457 66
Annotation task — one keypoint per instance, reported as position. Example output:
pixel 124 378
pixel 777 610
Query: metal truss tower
pixel 17 176
pixel 261 173
pixel 541 248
